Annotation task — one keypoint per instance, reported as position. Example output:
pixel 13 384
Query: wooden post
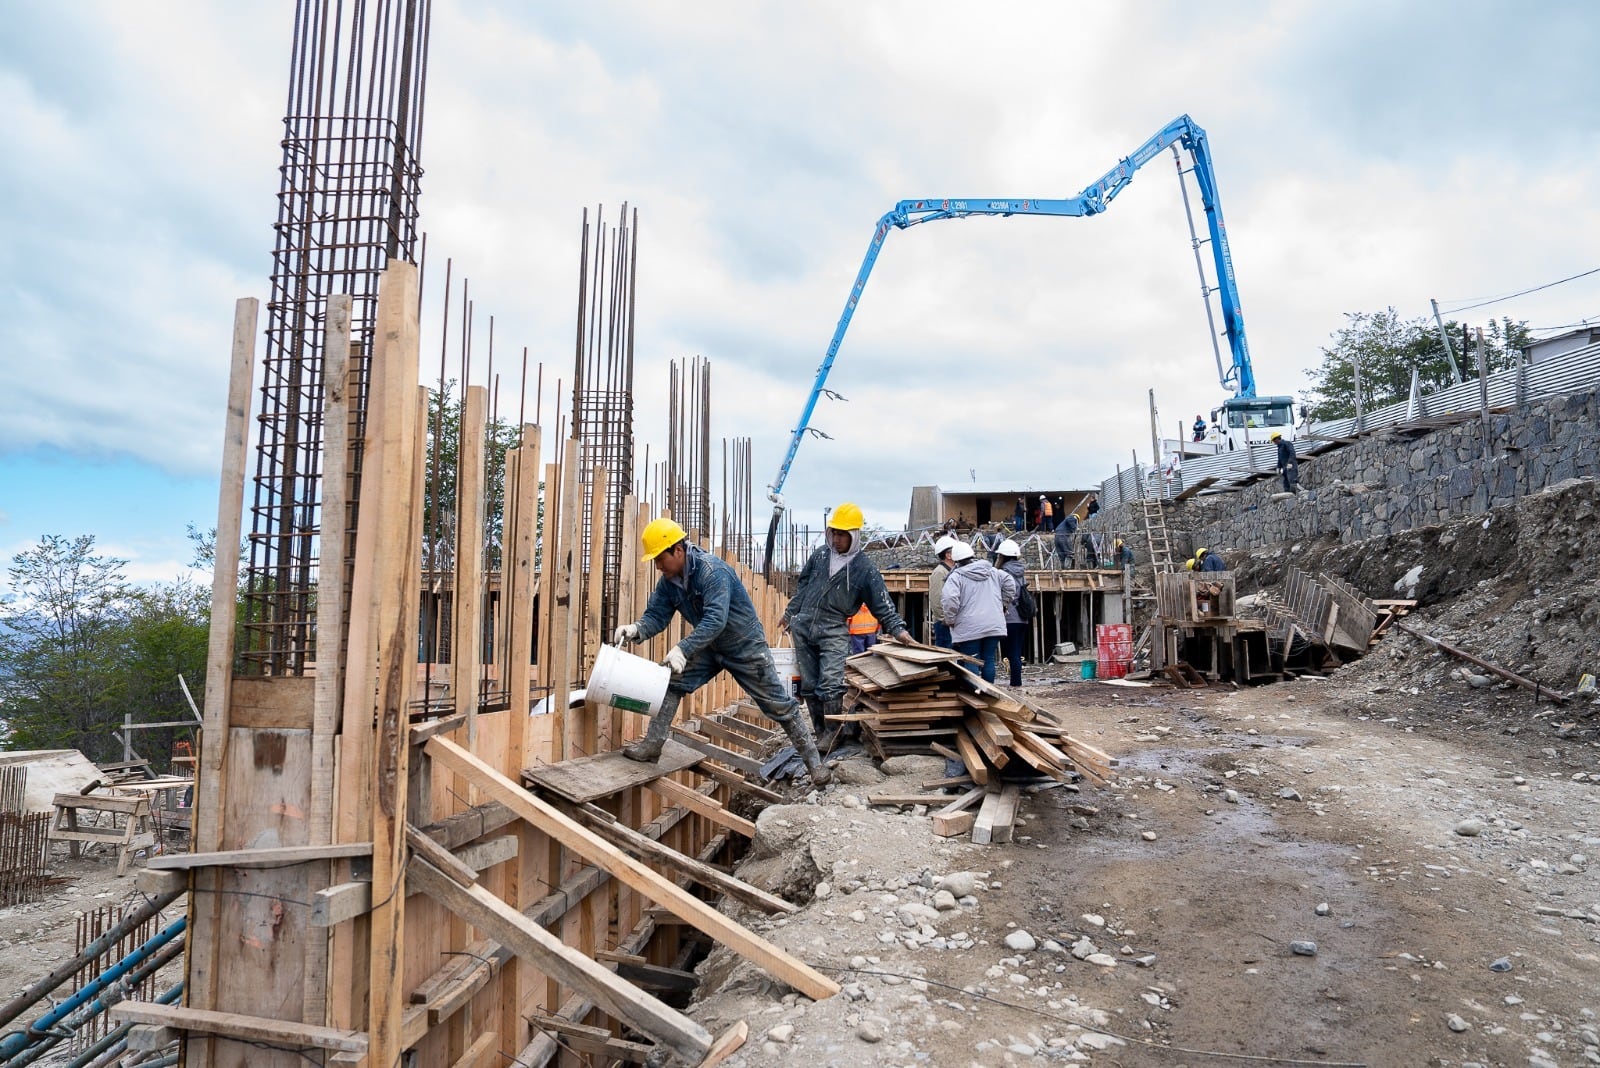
pixel 329 680
pixel 595 734
pixel 396 400
pixel 466 643
pixel 204 909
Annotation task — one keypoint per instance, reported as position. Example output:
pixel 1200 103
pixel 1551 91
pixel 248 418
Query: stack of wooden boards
pixel 918 699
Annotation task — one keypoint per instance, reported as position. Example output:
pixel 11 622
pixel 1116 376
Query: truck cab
pixel 1242 421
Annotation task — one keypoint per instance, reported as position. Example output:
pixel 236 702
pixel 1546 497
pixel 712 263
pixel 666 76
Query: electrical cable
pixel 1520 293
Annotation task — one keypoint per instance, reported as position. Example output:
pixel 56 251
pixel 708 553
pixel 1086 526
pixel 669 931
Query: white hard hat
pixel 960 551
pixel 1008 548
pixel 943 545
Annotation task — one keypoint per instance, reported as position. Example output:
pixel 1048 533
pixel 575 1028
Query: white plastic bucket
pixel 783 660
pixel 631 683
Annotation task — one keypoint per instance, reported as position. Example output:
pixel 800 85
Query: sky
pixel 1367 154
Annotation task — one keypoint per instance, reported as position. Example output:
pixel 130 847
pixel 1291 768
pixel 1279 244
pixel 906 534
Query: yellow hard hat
pixel 1276 434
pixel 845 517
pixel 660 535
pixel 1198 553
pixel 1188 565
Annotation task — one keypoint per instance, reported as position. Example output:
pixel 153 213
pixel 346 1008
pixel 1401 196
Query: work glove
pixel 626 634
pixel 904 637
pixel 676 660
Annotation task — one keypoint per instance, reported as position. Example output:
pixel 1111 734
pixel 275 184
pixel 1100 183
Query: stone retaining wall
pixel 1392 481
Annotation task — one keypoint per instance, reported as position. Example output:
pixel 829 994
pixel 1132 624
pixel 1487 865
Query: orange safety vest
pixel 863 622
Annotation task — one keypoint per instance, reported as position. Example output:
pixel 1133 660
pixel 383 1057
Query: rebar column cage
pixel 347 204
pixel 602 396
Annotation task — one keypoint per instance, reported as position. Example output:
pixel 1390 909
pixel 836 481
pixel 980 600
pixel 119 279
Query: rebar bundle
pixel 347 205
pixel 688 481
pixel 602 384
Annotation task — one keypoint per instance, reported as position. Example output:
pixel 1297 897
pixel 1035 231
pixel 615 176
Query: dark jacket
pixel 1212 562
pixel 714 602
pixel 1286 457
pixel 823 604
pixel 1019 575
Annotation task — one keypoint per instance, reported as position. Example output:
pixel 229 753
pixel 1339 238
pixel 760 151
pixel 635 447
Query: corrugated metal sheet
pixel 1576 370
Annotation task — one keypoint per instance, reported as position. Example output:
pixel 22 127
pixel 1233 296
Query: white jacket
pixel 976 596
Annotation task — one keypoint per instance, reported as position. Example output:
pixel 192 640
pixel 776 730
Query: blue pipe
pixel 17 1041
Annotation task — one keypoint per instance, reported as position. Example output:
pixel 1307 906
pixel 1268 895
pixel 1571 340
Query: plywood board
pixel 591 777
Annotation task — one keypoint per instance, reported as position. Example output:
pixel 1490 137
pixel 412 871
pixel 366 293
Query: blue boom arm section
pixel 1094 199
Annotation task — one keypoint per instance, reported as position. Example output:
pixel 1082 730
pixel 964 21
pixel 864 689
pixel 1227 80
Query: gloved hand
pixel 904 637
pixel 626 634
pixel 676 660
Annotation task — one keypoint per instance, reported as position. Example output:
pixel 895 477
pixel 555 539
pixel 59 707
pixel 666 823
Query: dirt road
pixel 1243 822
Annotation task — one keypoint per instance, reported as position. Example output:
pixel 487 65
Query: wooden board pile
pixel 918 699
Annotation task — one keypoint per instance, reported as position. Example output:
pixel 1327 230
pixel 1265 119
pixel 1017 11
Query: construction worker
pixel 727 635
pixel 1122 554
pixel 1010 554
pixel 1188 565
pixel 834 581
pixel 936 577
pixel 1288 463
pixel 977 596
pixel 1066 541
pixel 1199 429
pixel 1206 560
pixel 863 630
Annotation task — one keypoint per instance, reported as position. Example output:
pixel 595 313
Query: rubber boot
pixel 648 749
pixel 799 732
pixel 814 707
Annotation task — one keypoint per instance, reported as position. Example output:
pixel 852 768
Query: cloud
pixel 1367 154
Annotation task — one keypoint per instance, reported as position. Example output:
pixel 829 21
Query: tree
pixel 439 493
pixel 56 632
pixel 80 647
pixel 1388 348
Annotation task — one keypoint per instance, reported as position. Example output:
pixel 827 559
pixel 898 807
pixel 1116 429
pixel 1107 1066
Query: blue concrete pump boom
pixel 1094 199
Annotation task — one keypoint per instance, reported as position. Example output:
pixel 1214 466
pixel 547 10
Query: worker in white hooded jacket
pixel 975 600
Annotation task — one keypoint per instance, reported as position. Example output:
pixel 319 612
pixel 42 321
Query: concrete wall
pixel 1391 481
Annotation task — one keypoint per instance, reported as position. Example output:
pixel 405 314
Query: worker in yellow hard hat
pixel 1188 565
pixel 727 636
pixel 1206 560
pixel 834 582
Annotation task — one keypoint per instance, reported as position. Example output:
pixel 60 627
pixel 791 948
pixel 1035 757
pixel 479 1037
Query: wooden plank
pixel 482 855
pixel 738 783
pixel 964 802
pixel 466 639
pixel 995 727
pixel 659 977
pixel 718 733
pixel 1005 814
pixel 336 904
pixel 235 1025
pixel 589 778
pixel 283 702
pixel 728 1043
pixel 716 752
pixel 956 823
pixel 593 1040
pixel 973 750
pixel 650 849
pixel 332 605
pixel 907 799
pixel 266 857
pixel 680 794
pixel 988 815
pixel 395 414
pixel 482 1053
pixel 204 946
pixel 528 940
pixel 663 891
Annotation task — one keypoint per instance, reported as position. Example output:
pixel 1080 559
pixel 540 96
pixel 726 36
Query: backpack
pixel 1026 606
